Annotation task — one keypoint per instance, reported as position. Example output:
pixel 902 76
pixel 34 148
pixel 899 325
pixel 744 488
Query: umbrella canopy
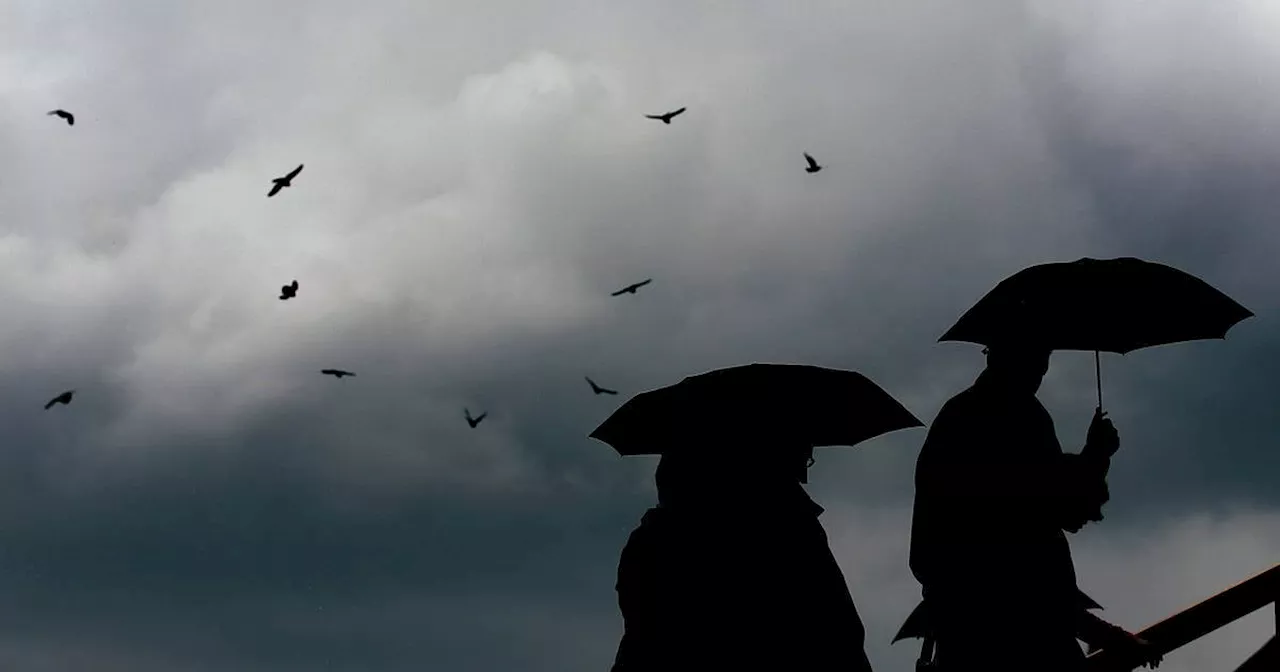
pixel 1112 305
pixel 797 403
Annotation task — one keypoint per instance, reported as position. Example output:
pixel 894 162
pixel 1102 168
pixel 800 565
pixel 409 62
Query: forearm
pixel 1094 631
pixel 1097 462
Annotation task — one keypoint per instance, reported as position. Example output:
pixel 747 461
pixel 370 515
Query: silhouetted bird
pixel 337 373
pixel 64 399
pixel 597 389
pixel 65 115
pixel 289 291
pixel 813 165
pixel 476 420
pixel 666 118
pixel 281 182
pixel 631 289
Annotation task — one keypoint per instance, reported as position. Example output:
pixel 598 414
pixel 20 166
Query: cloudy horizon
pixel 479 177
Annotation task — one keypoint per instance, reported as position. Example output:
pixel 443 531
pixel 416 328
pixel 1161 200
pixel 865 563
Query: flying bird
pixel 336 373
pixel 64 399
pixel 666 118
pixel 813 165
pixel 289 291
pixel 476 420
pixel 281 182
pixel 631 289
pixel 599 390
pixel 65 115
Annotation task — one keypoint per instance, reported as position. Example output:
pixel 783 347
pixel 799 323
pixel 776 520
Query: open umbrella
pixel 1113 305
pixel 811 405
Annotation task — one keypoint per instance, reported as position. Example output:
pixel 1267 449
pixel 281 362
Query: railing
pixel 1201 619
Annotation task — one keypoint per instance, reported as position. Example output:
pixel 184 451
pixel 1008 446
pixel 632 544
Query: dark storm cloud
pixel 478 180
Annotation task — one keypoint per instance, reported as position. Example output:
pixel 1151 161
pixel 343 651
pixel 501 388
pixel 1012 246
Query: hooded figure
pixel 994 494
pixel 732 571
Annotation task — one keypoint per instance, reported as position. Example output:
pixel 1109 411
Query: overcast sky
pixel 479 177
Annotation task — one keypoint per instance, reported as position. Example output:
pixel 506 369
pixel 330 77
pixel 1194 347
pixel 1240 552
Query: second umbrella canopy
pixel 809 405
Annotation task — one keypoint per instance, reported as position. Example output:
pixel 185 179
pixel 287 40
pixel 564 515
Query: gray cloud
pixel 478 179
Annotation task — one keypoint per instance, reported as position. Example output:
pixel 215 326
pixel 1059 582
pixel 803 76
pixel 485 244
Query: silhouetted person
pixel 994 493
pixel 64 399
pixel 336 373
pixel 732 571
pixel 64 115
pixel 279 183
pixel 476 420
pixel 597 389
pixel 666 118
pixel 289 291
pixel 813 165
pixel 631 289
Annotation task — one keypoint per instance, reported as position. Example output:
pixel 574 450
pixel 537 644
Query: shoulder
pixel 959 410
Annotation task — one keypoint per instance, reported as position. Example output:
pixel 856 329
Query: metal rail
pixel 1196 621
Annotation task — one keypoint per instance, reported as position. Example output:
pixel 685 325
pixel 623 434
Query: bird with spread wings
pixel 64 399
pixel 476 420
pixel 666 118
pixel 631 289
pixel 599 390
pixel 281 182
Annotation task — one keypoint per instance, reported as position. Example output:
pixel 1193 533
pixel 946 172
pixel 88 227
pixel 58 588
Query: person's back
pixel 729 573
pixel 980 527
pixel 994 491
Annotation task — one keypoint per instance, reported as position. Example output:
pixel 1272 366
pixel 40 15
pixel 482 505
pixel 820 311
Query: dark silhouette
pixel 994 494
pixel 336 373
pixel 631 289
pixel 810 405
pixel 732 571
pixel 281 182
pixel 597 389
pixel 666 118
pixel 65 116
pixel 64 399
pixel 476 420
pixel 289 291
pixel 813 165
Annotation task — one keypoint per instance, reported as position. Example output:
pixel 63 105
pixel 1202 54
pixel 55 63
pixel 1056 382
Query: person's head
pixel 781 458
pixel 689 476
pixel 1019 367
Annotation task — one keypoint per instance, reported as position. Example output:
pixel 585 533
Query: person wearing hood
pixel 732 570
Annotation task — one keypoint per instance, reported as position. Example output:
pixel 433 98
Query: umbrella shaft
pixel 1097 371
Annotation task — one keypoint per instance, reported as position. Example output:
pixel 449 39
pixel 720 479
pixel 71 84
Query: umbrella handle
pixel 1097 370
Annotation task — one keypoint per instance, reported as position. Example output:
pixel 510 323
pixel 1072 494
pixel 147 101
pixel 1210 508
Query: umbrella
pixel 1113 305
pixel 812 405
